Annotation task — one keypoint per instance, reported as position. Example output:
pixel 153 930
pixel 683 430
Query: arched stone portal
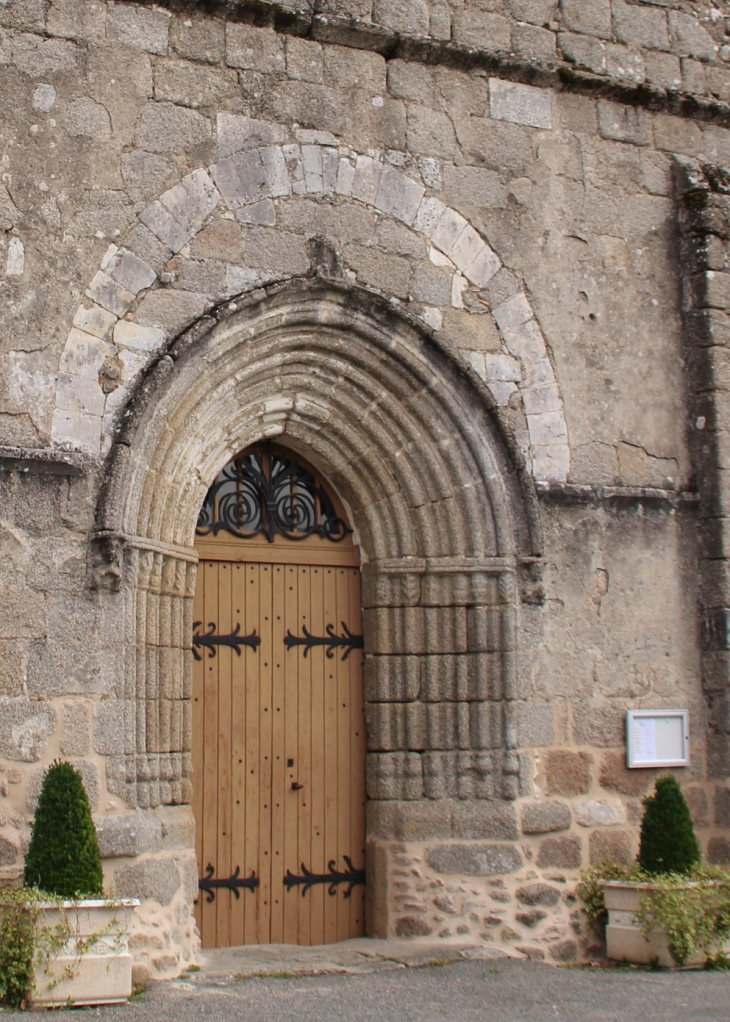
pixel 444 515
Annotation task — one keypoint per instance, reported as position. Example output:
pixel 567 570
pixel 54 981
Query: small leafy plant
pixel 668 842
pixel 63 862
pixel 592 881
pixel 687 900
pixel 17 945
pixel 63 857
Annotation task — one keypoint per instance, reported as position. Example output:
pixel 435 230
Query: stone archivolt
pixel 114 341
pixel 442 514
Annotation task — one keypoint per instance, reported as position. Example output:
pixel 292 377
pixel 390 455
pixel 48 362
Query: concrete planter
pixel 93 965
pixel 624 940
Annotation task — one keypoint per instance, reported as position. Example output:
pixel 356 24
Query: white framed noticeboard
pixel 657 738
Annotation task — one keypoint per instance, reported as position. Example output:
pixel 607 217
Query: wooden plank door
pixel 278 744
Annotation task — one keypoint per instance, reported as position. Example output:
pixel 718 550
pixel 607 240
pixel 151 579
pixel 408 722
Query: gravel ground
pixel 492 991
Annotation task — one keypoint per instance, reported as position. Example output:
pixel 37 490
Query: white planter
pixel 94 965
pixel 624 940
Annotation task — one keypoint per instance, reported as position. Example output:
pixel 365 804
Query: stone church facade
pixel 469 260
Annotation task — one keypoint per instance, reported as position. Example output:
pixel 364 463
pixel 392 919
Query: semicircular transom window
pixel 266 493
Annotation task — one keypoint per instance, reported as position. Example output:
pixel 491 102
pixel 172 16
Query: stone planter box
pixel 94 965
pixel 624 940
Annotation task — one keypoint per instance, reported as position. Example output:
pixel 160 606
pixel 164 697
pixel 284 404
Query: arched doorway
pixel 447 523
pixel 278 718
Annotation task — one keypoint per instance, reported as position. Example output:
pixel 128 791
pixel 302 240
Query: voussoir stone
pixel 478 859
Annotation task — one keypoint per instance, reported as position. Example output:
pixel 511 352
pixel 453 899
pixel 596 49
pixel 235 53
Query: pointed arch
pixel 390 416
pixel 443 507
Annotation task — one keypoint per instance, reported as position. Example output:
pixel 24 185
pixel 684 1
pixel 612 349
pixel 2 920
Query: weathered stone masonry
pixel 469 260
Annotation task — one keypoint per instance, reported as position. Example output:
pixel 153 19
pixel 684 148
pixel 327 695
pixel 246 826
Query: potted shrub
pixel 666 908
pixel 61 941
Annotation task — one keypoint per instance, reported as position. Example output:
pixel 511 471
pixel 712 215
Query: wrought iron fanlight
pixel 266 492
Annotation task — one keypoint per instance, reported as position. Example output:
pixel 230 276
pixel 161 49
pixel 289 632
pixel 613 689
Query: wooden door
pixel 278 720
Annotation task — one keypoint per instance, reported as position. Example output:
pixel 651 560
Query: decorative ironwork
pixel 211 640
pixel 332 641
pixel 266 493
pixel 352 878
pixel 210 883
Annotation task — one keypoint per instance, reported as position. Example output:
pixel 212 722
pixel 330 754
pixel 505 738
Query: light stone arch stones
pixel 143 295
pixel 409 437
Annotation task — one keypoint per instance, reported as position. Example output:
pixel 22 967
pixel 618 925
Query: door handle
pixel 296 786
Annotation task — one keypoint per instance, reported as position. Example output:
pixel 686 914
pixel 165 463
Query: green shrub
pixel 690 902
pixel 695 916
pixel 17 943
pixel 64 858
pixel 668 842
pixel 692 908
pixel 591 887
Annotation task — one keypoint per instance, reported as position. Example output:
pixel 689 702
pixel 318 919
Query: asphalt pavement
pixel 500 991
pixel 451 987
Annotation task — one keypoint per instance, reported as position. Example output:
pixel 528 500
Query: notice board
pixel 657 738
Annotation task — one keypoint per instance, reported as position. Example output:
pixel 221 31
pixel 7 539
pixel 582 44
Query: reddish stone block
pixel 567 773
pixel 563 852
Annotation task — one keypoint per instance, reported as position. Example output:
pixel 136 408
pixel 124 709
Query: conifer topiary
pixel 668 842
pixel 63 857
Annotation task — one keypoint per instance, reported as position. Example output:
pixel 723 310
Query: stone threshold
pixel 358 956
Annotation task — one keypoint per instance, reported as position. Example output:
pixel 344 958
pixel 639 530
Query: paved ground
pixel 361 955
pixel 391 982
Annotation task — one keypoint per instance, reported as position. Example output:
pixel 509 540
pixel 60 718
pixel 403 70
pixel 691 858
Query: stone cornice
pixel 581 494
pixel 41 461
pixel 561 74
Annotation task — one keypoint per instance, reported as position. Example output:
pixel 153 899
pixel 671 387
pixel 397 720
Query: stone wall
pixel 673 48
pixel 506 220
